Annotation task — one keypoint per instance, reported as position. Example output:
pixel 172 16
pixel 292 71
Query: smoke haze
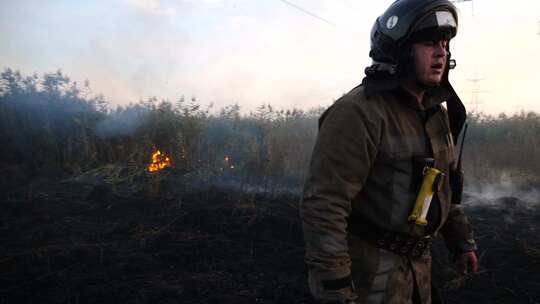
pixel 253 52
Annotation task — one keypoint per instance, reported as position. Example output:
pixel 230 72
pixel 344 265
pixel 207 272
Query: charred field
pixel 149 241
pixel 118 235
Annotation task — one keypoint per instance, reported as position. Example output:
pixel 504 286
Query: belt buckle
pixel 419 248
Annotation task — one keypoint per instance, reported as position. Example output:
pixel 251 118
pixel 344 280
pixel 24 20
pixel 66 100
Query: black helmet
pixel 406 22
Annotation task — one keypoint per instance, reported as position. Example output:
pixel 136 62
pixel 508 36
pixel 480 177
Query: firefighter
pixel 368 172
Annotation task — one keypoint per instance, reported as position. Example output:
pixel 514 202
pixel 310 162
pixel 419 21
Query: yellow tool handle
pixel 423 200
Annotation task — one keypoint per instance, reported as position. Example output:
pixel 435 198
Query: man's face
pixel 430 61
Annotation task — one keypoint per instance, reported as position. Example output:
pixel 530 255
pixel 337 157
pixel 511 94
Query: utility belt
pixel 429 183
pixel 398 243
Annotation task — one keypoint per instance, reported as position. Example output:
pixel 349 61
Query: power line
pixel 306 12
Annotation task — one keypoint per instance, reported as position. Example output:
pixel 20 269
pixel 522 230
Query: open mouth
pixel 437 66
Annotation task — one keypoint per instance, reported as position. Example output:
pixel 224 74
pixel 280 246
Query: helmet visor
pixel 438 25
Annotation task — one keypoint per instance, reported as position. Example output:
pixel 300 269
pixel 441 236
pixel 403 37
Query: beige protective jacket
pixel 363 167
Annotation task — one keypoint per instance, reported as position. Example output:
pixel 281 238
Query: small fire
pixel 228 162
pixel 159 161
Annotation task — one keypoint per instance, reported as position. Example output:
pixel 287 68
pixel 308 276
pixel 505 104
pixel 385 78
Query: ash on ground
pixel 118 235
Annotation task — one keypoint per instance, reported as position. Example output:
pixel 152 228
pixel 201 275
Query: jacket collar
pixel 432 97
pixel 457 113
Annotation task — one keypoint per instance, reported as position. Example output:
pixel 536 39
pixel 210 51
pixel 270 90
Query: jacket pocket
pixel 443 151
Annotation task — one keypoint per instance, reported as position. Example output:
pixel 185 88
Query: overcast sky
pixel 258 51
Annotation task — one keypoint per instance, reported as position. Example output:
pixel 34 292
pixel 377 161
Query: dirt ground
pixel 164 239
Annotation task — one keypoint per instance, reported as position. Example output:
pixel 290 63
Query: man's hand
pixel 467 261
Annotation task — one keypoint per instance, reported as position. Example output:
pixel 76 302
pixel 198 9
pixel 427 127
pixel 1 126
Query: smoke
pixel 507 191
pixel 122 122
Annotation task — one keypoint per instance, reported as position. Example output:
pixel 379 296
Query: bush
pixel 49 121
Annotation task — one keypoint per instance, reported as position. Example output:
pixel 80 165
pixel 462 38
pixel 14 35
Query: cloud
pixel 239 21
pixel 282 64
pixel 153 7
pixel 250 52
pixel 245 60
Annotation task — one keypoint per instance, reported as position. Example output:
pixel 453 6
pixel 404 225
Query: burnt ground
pixel 115 236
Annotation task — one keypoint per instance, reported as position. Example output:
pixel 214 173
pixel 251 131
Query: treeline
pixel 503 146
pixel 49 123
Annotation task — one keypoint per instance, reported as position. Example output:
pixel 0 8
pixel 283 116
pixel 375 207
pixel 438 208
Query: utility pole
pixel 475 102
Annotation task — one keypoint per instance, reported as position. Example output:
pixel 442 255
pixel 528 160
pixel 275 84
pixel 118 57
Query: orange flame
pixel 228 161
pixel 159 161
